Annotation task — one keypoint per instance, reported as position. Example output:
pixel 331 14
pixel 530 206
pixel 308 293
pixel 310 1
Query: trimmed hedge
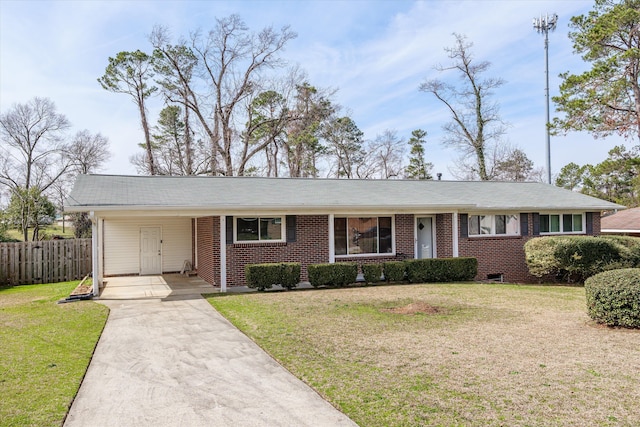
pixel 613 297
pixel 576 258
pixel 339 274
pixel 264 276
pixel 441 269
pixel 372 273
pixel 394 271
pixel 630 251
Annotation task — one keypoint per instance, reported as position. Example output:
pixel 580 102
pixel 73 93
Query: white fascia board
pixel 146 211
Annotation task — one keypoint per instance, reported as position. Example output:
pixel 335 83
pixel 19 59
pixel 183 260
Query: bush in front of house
pixel 575 258
pixel 441 269
pixel 264 276
pixel 583 256
pixel 338 274
pixel 394 271
pixel 613 297
pixel 630 249
pixel 539 255
pixel 372 273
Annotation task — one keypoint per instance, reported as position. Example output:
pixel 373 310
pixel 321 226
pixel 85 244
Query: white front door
pixel 150 250
pixel 424 237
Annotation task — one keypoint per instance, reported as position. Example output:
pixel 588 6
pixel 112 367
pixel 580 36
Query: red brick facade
pixel 444 236
pixel 208 245
pixel 505 255
pixel 496 255
pixel 311 247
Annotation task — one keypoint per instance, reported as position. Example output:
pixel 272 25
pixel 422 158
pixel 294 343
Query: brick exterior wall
pixel 208 244
pixel 444 235
pixel 311 247
pixel 503 255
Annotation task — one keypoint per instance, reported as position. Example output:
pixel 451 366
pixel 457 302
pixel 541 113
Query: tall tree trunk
pixel 147 136
pixel 187 143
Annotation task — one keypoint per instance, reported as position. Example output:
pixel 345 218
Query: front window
pixel 362 235
pixel 494 225
pixel 258 229
pixel 561 223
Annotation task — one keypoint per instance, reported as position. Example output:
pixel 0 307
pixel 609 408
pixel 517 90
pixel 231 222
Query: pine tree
pixel 418 168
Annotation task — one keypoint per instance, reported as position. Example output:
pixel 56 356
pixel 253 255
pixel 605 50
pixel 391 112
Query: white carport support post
pixel 96 277
pixel 454 222
pixel 223 253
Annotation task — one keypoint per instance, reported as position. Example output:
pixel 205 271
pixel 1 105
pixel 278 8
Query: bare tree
pixel 129 73
pixel 229 62
pixel 515 166
pixel 388 149
pixel 475 121
pixel 88 152
pixel 33 153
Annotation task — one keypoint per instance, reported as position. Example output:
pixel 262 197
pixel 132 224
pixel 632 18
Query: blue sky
pixel 376 53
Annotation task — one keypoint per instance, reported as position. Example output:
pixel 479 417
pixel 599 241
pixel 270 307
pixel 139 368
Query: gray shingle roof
pixel 112 192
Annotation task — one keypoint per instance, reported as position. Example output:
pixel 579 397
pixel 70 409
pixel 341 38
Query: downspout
pixel 455 233
pixel 223 254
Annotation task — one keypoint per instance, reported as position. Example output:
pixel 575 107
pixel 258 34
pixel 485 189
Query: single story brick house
pixel 145 225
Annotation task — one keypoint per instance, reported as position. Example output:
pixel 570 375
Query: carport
pixel 152 287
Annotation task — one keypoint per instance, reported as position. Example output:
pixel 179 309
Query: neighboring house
pixel 152 225
pixel 626 223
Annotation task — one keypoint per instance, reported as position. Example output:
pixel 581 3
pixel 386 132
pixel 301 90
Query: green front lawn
pixel 45 231
pixel 45 349
pixel 451 354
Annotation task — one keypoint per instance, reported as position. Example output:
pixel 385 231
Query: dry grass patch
pixel 472 354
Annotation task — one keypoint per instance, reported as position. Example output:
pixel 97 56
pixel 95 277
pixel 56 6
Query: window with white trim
pixel 561 223
pixel 494 225
pixel 363 235
pixel 258 229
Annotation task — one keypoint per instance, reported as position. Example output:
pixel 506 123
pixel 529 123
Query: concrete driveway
pixel 167 358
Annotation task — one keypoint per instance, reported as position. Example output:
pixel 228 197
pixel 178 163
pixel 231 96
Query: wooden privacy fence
pixel 47 261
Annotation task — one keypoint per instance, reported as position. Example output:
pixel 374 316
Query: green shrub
pixel 339 274
pixel 539 255
pixel 394 271
pixel 372 272
pixel 613 297
pixel 630 250
pixel 441 269
pixel 264 276
pixel 584 256
pixel 575 257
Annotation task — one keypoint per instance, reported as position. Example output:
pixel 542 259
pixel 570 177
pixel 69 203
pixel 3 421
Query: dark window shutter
pixel 589 220
pixel 229 230
pixel 464 225
pixel 536 224
pixel 524 224
pixel 291 228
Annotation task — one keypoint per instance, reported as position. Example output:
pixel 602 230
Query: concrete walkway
pixel 167 358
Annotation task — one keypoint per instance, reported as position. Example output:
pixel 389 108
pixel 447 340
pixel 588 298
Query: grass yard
pixel 45 349
pixel 45 230
pixel 451 354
